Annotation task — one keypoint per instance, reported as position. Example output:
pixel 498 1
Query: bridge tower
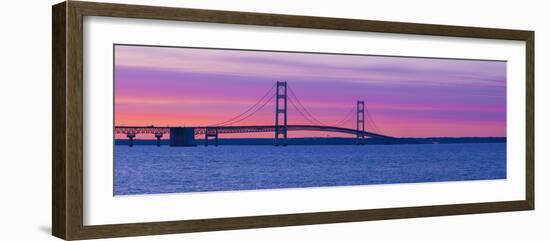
pixel 281 109
pixel 360 127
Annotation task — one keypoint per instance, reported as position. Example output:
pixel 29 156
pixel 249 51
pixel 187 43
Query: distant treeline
pixel 333 141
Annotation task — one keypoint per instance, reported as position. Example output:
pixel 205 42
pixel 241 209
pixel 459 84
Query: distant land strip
pixel 331 141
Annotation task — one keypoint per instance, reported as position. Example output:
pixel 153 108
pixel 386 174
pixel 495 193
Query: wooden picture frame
pixel 67 124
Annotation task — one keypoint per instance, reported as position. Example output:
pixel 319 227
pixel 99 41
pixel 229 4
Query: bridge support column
pixel 360 126
pixel 182 136
pixel 216 142
pixel 281 109
pixel 211 132
pixel 158 135
pixel 131 136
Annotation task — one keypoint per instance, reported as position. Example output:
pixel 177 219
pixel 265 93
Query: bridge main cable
pixel 252 113
pixel 372 120
pixel 232 120
pixel 303 108
pixel 302 114
pixel 256 111
pixel 347 118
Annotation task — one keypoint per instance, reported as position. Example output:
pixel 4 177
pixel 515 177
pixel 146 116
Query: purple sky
pixel 407 97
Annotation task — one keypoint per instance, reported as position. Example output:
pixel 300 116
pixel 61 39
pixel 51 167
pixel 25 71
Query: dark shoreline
pixel 332 141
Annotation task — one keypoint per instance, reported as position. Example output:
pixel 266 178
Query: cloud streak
pixel 407 96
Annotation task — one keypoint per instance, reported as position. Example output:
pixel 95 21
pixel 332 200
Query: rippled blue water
pixel 151 169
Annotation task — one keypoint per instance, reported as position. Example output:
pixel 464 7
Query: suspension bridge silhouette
pixel 279 92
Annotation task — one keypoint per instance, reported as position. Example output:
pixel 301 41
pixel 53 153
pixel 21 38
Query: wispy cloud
pixel 345 68
pixel 406 96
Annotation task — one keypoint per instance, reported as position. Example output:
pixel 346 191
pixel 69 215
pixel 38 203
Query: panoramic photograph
pixel 192 119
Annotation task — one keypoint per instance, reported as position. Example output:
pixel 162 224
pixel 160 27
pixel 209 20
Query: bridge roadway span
pixel 201 130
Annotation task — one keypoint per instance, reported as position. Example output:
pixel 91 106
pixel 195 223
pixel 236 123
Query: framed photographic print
pixel 171 120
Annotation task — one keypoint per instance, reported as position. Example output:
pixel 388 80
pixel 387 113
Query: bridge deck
pixel 201 130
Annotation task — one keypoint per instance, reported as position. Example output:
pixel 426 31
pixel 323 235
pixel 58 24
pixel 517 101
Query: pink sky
pixel 407 97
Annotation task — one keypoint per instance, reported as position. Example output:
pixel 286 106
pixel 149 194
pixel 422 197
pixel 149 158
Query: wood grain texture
pixel 530 120
pixel 74 120
pixel 67 154
pixel 58 121
pixel 155 228
pixel 263 19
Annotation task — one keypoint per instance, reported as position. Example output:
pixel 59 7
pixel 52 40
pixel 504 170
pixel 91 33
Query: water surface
pixel 152 169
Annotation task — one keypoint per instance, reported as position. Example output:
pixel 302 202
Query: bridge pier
pixel 211 132
pixel 158 135
pixel 131 136
pixel 182 136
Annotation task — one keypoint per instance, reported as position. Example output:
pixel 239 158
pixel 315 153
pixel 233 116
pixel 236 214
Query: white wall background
pixel 25 101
